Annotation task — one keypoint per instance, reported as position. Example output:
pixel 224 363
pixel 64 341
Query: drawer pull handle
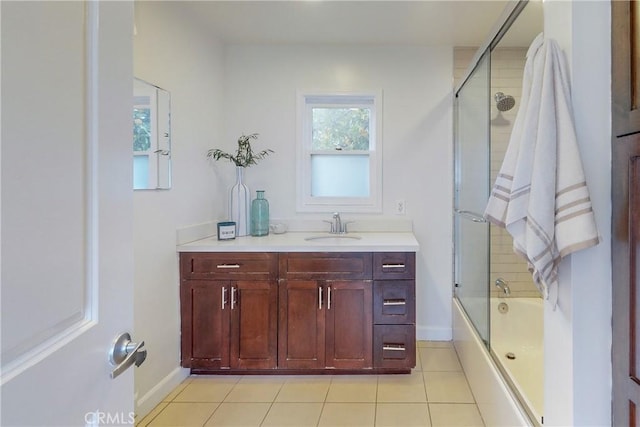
pixel 394 302
pixel 393 265
pixel 328 297
pixel 393 347
pixel 319 297
pixel 228 266
pixel 224 297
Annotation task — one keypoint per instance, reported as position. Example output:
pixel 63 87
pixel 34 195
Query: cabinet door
pixel 205 324
pixel 301 343
pixel 349 324
pixel 254 308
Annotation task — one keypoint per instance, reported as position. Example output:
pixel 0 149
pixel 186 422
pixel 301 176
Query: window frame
pixel 306 100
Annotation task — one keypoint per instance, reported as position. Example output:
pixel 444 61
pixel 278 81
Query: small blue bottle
pixel 259 215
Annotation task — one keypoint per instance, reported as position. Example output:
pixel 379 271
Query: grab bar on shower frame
pixel 470 215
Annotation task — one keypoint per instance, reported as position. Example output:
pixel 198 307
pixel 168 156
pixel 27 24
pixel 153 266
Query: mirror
pixel 151 137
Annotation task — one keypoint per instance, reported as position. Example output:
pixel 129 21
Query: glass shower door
pixel 472 185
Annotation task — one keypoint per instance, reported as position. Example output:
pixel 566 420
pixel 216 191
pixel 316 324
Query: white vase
pixel 240 203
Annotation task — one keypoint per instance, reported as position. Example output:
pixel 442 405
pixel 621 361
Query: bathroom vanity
pixel 299 303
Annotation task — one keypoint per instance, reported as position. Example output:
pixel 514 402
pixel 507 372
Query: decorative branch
pixel 244 155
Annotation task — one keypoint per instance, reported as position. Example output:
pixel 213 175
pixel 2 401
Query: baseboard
pixel 150 400
pixel 427 333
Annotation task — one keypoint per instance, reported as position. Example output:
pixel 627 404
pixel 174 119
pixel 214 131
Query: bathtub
pixel 517 328
pixel 495 395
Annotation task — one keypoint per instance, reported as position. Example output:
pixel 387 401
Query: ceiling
pixel 391 22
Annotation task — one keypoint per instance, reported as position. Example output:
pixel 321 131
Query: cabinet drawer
pixel 394 265
pixel 325 265
pixel 394 346
pixel 394 302
pixel 231 266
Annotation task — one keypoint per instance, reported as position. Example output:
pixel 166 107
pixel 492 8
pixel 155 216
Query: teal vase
pixel 259 215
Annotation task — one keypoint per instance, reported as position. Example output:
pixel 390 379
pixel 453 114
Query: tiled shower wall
pixel 507 65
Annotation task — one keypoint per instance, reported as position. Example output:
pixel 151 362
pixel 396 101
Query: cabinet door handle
pixel 393 265
pixel 233 297
pixel 319 297
pixel 328 297
pixel 394 347
pixel 228 266
pixel 224 297
pixel 394 302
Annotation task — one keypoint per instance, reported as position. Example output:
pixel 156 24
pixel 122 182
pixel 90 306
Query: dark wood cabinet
pixel 205 324
pixel 228 266
pixel 298 312
pixel 393 302
pixel 394 346
pixel 325 311
pixel 325 265
pixel 349 324
pixel 625 219
pixel 325 324
pixel 254 320
pixel 394 311
pixel 394 265
pixel 301 329
pixel 625 70
pixel 229 311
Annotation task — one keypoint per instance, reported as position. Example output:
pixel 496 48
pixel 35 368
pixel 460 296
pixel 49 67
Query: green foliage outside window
pixel 340 129
pixel 141 129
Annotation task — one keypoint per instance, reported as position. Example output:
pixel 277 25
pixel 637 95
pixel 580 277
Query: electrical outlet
pixel 401 208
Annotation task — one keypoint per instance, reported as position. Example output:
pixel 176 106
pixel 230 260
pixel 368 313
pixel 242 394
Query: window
pixel 339 153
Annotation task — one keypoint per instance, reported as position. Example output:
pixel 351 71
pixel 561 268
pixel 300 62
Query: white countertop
pixel 295 242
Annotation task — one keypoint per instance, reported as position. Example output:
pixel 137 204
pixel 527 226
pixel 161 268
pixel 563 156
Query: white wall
pixel 175 54
pixel 578 333
pixel 260 96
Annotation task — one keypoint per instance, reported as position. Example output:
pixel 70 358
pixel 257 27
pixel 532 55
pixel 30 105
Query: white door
pixel 66 211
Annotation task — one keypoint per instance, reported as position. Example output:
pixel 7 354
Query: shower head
pixel 504 102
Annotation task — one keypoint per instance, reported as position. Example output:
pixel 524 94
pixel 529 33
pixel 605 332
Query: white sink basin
pixel 331 238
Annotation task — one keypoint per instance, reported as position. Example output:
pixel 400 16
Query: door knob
pixel 125 353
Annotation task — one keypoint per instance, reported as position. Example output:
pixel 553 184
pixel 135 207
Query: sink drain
pixel 511 356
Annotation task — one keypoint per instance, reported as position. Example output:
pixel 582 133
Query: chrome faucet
pixel 502 284
pixel 337 225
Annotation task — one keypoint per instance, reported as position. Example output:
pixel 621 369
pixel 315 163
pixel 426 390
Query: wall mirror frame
pixel 151 142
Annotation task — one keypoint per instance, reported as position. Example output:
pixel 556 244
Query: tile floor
pixel 436 393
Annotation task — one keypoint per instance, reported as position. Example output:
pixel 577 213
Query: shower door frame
pixel 472 159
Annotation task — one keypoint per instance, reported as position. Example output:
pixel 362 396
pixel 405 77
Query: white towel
pixel 540 195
